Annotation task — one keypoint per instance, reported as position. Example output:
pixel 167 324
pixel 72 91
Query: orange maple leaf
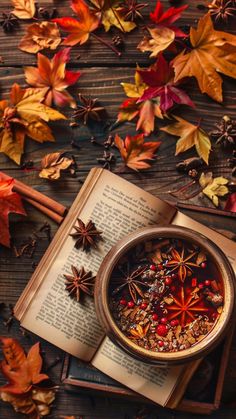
pixel 10 202
pixel 20 370
pixel 53 75
pixel 135 152
pixel 79 29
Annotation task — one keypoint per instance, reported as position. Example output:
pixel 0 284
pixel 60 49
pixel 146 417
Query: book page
pixel 117 207
pixel 151 381
pixel 226 245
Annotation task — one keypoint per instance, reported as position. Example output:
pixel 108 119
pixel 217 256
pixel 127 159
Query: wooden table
pixel 102 73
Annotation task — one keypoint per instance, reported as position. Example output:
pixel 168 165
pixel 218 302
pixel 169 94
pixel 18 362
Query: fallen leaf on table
pixel 24 9
pixel 167 18
pixel 24 115
pixel 161 38
pixel 146 111
pixel 52 74
pixel 160 81
pixel 190 136
pixel 135 152
pixel 52 164
pixel 79 29
pixel 40 36
pixel 24 374
pixel 10 202
pixel 212 52
pixel 213 187
pixel 110 13
pixel 231 203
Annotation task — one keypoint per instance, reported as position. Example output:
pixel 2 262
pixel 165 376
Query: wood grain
pixel 102 73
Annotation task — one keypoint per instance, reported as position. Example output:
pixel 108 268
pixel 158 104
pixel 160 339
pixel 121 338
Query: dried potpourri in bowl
pixel 165 294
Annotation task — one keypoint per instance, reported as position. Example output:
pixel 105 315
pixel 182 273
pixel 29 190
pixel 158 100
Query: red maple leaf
pixel 160 79
pixel 79 29
pixel 9 202
pixel 167 18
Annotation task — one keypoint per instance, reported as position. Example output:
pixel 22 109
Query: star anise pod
pixel 222 10
pixel 181 263
pixel 88 109
pixel 225 132
pixel 107 159
pixel 86 236
pixel 131 9
pixel 133 282
pixel 47 13
pixel 79 281
pixel 8 22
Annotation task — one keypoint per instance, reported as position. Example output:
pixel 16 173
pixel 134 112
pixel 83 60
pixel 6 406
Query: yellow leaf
pixel 39 131
pixel 112 17
pixel 161 38
pixel 213 187
pixel 24 9
pixel 213 52
pixel 40 36
pixel 190 136
pixel 13 149
pixel 52 164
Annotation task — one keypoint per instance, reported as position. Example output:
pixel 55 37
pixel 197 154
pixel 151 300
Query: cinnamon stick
pixel 206 210
pixel 51 214
pixel 30 193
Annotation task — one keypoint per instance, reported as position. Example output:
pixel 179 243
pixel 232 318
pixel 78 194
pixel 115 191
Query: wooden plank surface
pixel 102 73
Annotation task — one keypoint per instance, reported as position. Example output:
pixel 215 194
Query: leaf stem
pixel 106 43
pixel 116 15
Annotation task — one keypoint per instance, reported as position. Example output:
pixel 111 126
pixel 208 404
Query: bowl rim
pixel 102 286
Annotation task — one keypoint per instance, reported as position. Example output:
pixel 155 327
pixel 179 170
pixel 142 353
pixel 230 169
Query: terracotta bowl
pixel 102 295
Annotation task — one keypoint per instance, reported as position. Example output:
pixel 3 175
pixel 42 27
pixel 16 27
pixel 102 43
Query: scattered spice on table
pixel 169 295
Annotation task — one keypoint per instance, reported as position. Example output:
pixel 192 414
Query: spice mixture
pixel 166 295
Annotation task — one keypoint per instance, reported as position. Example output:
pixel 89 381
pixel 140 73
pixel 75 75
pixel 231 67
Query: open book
pixel 117 207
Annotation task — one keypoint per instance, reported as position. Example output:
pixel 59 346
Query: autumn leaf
pixel 53 75
pixel 40 36
pixel 24 115
pixel 213 187
pixel 161 38
pixel 190 136
pixel 24 9
pixel 167 18
pixel 135 152
pixel 146 111
pixel 160 79
pixel 212 52
pixel 10 202
pixel 110 14
pixel 79 29
pixel 26 371
pixel 24 374
pixel 52 164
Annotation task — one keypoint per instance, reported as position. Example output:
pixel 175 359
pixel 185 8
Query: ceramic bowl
pixel 103 286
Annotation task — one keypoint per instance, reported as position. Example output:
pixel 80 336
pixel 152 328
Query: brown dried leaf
pixel 161 38
pixel 40 36
pixel 201 257
pixel 24 9
pixel 168 300
pixel 52 164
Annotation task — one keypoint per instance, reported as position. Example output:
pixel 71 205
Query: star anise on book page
pixel 181 263
pixel 86 236
pixel 79 281
pixel 133 281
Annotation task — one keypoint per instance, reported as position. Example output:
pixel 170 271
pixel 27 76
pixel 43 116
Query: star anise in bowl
pixel 85 235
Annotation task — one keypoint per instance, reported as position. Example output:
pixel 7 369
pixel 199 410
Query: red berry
pixel 203 265
pixel 168 280
pixel 160 343
pixel 123 302
pixel 130 304
pixel 207 282
pixel 174 276
pixel 160 267
pixel 155 317
pixel 173 288
pixel 143 306
pixel 162 330
pixel 200 285
pixel 163 320
pixel 153 267
pixel 174 322
pixel 194 282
